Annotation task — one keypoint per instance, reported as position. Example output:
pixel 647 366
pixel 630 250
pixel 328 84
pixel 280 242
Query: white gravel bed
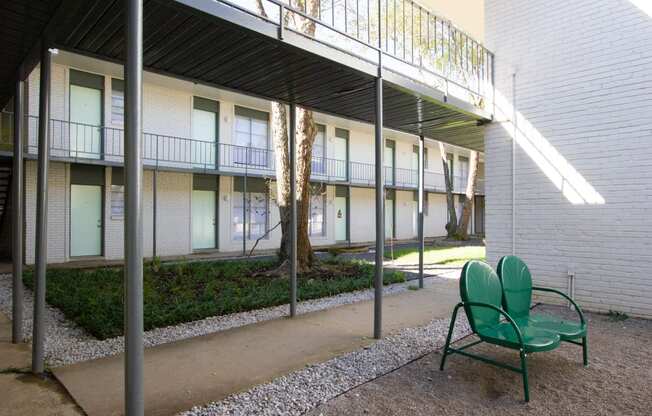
pixel 66 343
pixel 303 390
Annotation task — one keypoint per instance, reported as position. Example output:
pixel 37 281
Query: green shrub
pixel 188 291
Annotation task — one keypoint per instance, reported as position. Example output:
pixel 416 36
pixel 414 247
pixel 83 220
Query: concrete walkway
pixel 21 393
pixel 200 370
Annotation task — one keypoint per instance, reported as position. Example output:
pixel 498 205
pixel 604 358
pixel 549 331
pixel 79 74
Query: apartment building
pixel 209 170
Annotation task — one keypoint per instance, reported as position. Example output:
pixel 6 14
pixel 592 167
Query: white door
pixel 389 218
pixel 339 154
pixel 85 122
pixel 389 165
pixel 204 134
pixel 203 219
pixel 85 220
pixel 340 218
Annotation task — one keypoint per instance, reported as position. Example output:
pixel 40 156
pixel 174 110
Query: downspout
pixel 515 124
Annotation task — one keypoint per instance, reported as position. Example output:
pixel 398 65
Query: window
pixel 317 220
pixel 251 137
pixel 464 167
pixel 117 101
pixel 319 151
pixel 117 194
pixel 415 157
pixel 254 207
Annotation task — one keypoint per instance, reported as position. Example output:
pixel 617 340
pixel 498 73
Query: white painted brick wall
pixel 58 212
pixel 405 215
pixel 174 193
pixel 168 111
pixel 584 84
pixel 114 226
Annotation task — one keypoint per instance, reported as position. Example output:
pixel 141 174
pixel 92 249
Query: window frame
pixel 324 196
pixel 237 200
pixel 250 114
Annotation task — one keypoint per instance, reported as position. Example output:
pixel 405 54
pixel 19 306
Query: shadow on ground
pixel 22 393
pixel 617 382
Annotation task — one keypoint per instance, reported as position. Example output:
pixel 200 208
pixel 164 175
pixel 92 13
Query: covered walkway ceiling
pixel 213 43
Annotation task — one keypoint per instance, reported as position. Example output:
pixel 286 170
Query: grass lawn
pixel 185 292
pixel 453 256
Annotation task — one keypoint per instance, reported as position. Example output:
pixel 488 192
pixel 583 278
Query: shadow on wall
pixel 576 189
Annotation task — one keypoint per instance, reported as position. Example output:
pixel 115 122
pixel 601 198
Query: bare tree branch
pixel 261 237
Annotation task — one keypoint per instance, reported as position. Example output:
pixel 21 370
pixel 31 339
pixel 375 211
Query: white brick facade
pixel 58 206
pixel 167 111
pixel 583 158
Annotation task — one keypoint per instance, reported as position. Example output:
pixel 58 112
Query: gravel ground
pixel 301 391
pixel 67 343
pixel 617 382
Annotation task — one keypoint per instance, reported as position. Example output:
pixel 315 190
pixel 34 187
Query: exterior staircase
pixel 5 189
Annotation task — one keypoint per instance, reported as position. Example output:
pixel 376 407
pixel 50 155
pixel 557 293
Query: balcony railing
pixel 413 41
pixel 84 142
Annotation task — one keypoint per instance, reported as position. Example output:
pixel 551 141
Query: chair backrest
pixel 517 286
pixel 479 283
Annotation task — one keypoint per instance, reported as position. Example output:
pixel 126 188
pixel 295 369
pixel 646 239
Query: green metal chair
pixel 482 294
pixel 517 298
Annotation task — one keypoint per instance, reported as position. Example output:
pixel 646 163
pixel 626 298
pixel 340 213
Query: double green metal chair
pixel 498 307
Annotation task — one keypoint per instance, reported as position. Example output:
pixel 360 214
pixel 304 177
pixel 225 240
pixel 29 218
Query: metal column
pixel 380 191
pixel 380 211
pixel 420 210
pixel 17 219
pixel 133 232
pixel 293 209
pixel 41 243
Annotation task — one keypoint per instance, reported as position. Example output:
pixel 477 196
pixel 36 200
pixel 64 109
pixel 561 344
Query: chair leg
pixel 585 350
pixel 526 387
pixel 448 338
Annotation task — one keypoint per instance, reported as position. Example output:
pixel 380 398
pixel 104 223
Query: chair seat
pixel 566 329
pixel 535 339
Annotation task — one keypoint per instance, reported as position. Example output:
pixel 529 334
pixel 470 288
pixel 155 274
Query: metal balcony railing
pixel 413 41
pixel 84 142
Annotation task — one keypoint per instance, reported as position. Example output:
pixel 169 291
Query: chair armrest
pixel 562 294
pixel 500 311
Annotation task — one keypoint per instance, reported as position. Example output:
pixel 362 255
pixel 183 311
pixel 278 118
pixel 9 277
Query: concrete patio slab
pixel 13 356
pixel 196 371
pixel 617 381
pixel 22 393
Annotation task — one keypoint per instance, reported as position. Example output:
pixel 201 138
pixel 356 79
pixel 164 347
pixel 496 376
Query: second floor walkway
pixel 437 81
pixel 78 142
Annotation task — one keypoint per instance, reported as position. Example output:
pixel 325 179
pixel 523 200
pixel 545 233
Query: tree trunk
pixel 451 225
pixel 305 138
pixel 465 219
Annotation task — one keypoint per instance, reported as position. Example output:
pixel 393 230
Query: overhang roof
pixel 212 43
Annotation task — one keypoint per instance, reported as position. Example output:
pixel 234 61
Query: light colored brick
pixel 583 81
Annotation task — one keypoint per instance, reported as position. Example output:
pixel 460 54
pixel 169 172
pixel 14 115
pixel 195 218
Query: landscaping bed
pixel 450 256
pixel 184 292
